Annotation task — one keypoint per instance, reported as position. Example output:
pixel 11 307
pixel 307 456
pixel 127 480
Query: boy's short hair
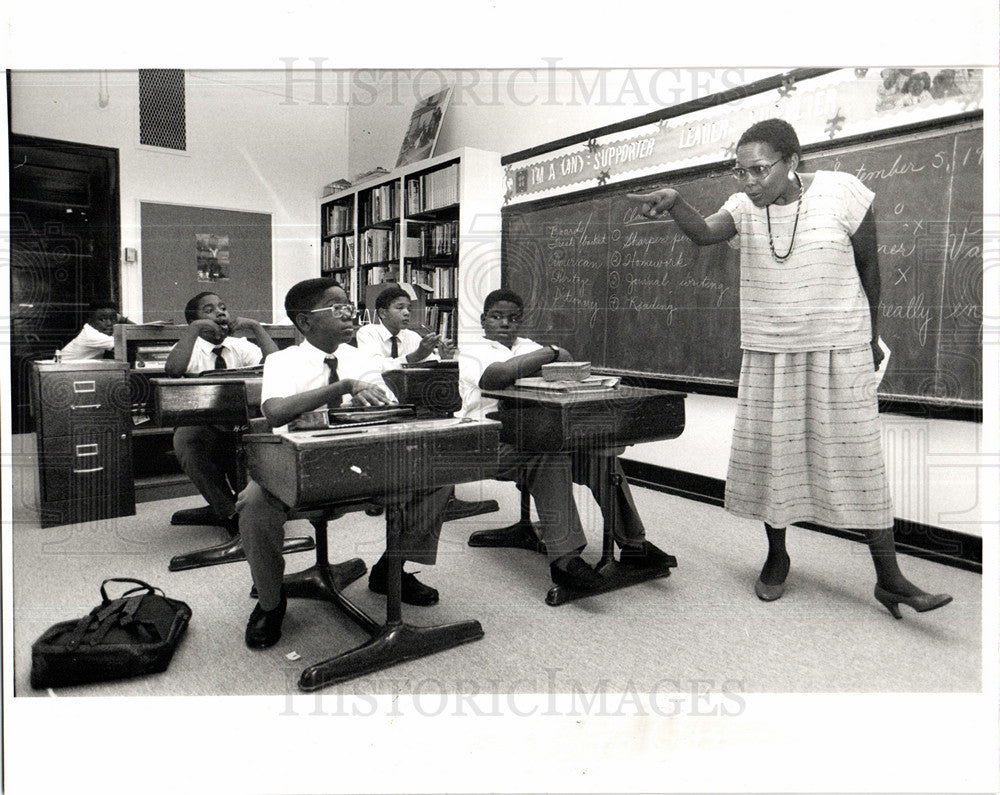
pixel 102 303
pixel 388 295
pixel 497 296
pixel 191 307
pixel 304 296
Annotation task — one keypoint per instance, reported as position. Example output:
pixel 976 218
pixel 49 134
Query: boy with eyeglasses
pixel 323 370
pixel 496 361
pixel 207 453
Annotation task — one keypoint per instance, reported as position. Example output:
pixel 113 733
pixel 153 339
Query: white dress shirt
pixel 473 359
pixel 303 367
pixel 236 352
pixel 88 344
pixel 376 339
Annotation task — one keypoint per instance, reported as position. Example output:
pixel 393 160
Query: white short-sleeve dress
pixel 807 443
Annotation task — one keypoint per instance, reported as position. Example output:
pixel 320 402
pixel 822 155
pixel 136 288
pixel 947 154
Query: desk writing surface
pixel 635 296
pixel 311 468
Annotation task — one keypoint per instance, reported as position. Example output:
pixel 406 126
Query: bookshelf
pixel 434 224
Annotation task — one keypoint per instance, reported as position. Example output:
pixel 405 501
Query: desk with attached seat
pixel 325 469
pixel 229 400
pixel 598 423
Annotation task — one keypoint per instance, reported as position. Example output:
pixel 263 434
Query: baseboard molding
pixel 941 545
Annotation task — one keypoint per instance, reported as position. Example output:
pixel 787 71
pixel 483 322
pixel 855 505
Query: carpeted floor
pixel 701 625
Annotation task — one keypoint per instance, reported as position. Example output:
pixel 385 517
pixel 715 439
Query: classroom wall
pixel 506 110
pixel 933 472
pixel 251 146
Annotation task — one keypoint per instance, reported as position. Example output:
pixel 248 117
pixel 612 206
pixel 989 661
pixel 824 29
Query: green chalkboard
pixel 637 297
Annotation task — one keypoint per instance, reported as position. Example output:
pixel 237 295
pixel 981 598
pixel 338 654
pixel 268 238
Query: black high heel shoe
pixel 922 602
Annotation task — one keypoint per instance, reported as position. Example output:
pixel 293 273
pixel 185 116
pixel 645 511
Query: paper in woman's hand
pixel 880 373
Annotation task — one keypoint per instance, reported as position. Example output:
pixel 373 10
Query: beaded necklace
pixel 770 240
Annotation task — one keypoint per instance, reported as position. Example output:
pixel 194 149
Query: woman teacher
pixel 807 441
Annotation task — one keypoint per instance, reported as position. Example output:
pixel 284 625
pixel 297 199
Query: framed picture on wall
pixel 425 124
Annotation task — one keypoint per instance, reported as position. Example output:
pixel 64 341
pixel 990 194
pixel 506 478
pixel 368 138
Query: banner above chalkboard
pixel 841 103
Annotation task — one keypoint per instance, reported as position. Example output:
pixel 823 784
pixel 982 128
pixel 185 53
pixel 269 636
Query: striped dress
pixel 807 439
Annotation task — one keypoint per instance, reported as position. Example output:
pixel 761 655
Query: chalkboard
pixel 637 297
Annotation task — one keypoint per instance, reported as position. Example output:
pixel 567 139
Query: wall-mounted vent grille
pixel 162 120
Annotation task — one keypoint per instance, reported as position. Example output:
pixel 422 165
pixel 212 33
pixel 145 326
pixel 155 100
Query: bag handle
pixel 143 586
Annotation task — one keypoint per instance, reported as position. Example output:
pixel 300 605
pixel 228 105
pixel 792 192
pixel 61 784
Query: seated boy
pixel 323 371
pixel 391 341
pixel 94 340
pixel 496 361
pixel 207 453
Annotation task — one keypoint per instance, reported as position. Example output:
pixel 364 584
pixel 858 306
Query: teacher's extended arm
pixel 659 204
pixel 865 246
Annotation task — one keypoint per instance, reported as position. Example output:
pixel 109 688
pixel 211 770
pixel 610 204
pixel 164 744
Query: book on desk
pixel 593 383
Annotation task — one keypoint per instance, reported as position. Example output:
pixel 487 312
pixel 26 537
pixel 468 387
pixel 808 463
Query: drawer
pixel 104 506
pixel 70 400
pixel 88 463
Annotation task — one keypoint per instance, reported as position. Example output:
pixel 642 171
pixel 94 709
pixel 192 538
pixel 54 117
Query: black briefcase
pixel 133 635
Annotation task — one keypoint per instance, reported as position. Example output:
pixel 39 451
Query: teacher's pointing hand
pixel 655 203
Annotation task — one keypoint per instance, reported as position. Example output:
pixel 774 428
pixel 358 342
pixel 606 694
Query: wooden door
pixel 65 237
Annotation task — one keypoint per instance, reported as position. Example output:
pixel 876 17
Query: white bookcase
pixel 434 224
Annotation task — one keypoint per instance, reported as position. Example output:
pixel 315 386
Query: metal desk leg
pixel 615 574
pixel 325 581
pixel 395 642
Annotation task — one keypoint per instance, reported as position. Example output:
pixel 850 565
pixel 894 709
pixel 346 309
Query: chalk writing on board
pixel 634 295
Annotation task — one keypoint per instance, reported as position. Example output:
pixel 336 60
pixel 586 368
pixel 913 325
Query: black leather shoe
pixel 264 626
pixel 462 509
pixel 515 536
pixel 646 555
pixel 199 516
pixel 411 590
pixel 577 575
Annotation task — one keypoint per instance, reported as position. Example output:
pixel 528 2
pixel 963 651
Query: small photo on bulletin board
pixel 212 257
pixel 425 124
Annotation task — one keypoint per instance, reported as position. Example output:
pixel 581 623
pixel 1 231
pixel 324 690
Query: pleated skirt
pixel 807 442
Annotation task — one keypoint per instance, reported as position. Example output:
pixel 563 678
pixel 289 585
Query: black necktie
pixel 394 352
pixel 220 363
pixel 331 362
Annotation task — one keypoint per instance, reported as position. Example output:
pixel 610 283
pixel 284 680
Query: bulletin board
pixel 187 250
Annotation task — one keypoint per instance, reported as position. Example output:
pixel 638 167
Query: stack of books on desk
pixel 594 383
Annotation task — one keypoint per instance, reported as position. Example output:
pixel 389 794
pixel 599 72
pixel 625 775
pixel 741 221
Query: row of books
pixel 439 240
pixel 343 277
pixel 338 218
pixel 442 320
pixel 379 204
pixel 338 252
pixel 378 245
pixel 380 273
pixel 440 282
pixel 433 190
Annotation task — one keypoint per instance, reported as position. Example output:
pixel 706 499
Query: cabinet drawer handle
pixel 86 406
pixel 84 471
pixel 83 450
pixel 84 386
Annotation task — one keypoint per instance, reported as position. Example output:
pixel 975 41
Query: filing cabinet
pixel 82 422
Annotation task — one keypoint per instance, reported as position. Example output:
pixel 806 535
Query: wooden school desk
pixel 229 400
pixel 598 423
pixel 324 468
